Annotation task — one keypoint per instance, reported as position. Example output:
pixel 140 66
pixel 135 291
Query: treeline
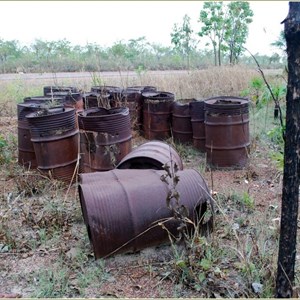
pixel 136 55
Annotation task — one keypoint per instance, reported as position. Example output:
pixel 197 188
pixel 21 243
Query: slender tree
pixel 238 18
pixel 182 38
pixel 213 16
pixel 290 192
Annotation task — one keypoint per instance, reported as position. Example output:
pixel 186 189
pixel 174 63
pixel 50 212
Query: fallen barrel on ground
pixel 123 209
pixel 151 155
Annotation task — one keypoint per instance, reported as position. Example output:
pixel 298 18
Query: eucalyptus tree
pixel 226 26
pixel 239 16
pixel 213 17
pixel 182 38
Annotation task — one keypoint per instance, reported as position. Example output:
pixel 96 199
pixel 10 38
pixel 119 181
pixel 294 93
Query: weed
pixel 51 283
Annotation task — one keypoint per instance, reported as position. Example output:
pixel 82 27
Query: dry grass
pixel 44 243
pixel 197 84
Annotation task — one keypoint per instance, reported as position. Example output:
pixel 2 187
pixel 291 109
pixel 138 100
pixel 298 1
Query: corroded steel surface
pixel 157 114
pixel 55 140
pixel 198 127
pixel 94 99
pixel 105 138
pixel 26 154
pixel 70 99
pixel 100 119
pixel 227 132
pixel 58 155
pixel 46 100
pixel 122 208
pixel 115 93
pixel 133 99
pixel 228 105
pixel 51 122
pixel 181 122
pixel 151 155
pixel 52 89
pixel 105 89
pixel 143 88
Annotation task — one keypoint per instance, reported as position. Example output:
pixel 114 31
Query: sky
pixel 106 22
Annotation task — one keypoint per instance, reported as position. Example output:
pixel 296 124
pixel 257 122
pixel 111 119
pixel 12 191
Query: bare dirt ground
pixel 31 247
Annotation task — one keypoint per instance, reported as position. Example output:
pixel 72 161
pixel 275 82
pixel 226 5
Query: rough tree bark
pixel 290 191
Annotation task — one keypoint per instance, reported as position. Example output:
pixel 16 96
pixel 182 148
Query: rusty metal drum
pixel 46 100
pixel 105 89
pixel 181 121
pixel 115 93
pixel 198 126
pixel 94 99
pixel 227 131
pixel 151 155
pixel 26 154
pixel 157 114
pixel 55 88
pixel 122 210
pixel 105 138
pixel 133 99
pixel 55 140
pixel 71 99
pixel 143 88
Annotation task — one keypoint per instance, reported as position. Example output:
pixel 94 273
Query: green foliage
pixel 279 159
pixel 239 17
pixel 280 43
pixel 51 283
pixel 5 151
pixel 226 25
pixel 182 39
pixel 275 135
pixel 61 56
pixel 213 16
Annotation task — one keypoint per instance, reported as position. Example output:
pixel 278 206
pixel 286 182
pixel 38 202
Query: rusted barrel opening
pixel 46 100
pixel 121 209
pixel 133 99
pixel 71 99
pixel 105 138
pixel 181 121
pixel 94 99
pixel 198 127
pixel 51 122
pixel 227 132
pixel 151 155
pixel 157 115
pixel 115 94
pixel 55 139
pixel 104 89
pixel 48 90
pixel 143 88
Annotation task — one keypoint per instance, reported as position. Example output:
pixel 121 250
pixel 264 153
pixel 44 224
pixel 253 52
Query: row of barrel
pixel 96 127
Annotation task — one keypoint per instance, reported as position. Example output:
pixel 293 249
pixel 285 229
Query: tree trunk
pixel 215 53
pixel 290 191
pixel 219 54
